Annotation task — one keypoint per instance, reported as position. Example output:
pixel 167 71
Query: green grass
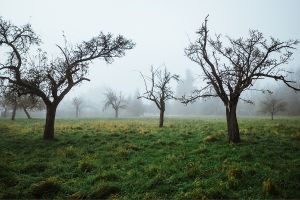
pixel 133 159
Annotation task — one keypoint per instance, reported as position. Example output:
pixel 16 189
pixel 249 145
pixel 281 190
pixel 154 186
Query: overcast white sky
pixel 160 29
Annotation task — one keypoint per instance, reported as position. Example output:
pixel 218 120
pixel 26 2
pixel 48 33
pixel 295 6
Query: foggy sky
pixel 160 28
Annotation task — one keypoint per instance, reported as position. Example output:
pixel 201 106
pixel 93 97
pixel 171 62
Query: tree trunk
pixel 161 118
pixel 27 113
pixel 117 113
pixel 232 124
pixel 77 112
pixel 13 116
pixel 272 115
pixel 50 120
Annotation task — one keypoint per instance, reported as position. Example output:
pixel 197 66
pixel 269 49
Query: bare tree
pixel 272 105
pixel 30 103
pixel 4 107
pixel 230 70
pixel 77 102
pixel 117 102
pixel 11 98
pixel 158 89
pixel 52 80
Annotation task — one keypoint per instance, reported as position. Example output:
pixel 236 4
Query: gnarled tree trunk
pixel 116 113
pixel 50 120
pixel 272 115
pixel 161 118
pixel 13 116
pixel 27 113
pixel 232 124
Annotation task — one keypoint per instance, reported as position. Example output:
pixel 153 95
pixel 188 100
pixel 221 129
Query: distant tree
pixel 30 103
pixel 4 107
pixel 229 70
pixel 52 80
pixel 12 99
pixel 135 105
pixel 272 105
pixel 77 102
pixel 115 101
pixel 158 89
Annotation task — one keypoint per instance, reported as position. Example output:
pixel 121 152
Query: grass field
pixel 133 159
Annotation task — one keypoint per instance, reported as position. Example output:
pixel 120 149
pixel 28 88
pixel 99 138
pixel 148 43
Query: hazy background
pixel 161 30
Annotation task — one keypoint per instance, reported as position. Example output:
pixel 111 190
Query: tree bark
pixel 272 115
pixel 161 118
pixel 27 113
pixel 232 124
pixel 50 120
pixel 13 116
pixel 116 113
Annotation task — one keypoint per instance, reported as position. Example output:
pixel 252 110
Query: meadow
pixel 133 159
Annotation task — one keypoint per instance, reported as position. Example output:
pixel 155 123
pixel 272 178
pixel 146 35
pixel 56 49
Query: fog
pixel 93 103
pixel 161 31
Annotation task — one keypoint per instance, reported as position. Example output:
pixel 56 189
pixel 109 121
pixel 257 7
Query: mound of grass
pixel 210 138
pixel 68 152
pixel 269 188
pixel 103 191
pixel 234 177
pixel 86 166
pixel 106 176
pixel 45 189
